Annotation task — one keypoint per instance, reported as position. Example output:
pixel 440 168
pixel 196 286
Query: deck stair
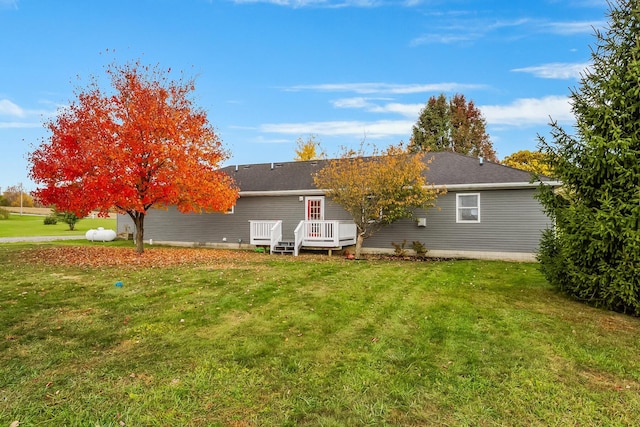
pixel 284 247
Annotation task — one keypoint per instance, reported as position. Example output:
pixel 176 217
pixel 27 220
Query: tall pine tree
pixel 593 254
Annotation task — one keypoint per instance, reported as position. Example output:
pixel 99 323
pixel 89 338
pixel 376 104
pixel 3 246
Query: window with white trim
pixel 468 207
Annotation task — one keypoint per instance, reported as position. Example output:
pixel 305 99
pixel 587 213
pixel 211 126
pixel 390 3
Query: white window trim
pixel 230 211
pixel 306 206
pixel 458 207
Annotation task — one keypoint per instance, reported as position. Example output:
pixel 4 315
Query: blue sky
pixel 271 71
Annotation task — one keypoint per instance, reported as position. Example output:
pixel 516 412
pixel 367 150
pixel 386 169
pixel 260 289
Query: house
pixel 488 212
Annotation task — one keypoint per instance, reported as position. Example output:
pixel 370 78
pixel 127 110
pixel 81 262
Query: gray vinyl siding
pixel 510 221
pixel 173 226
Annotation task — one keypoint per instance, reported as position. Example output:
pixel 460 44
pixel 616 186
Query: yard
pixel 96 335
pixel 32 224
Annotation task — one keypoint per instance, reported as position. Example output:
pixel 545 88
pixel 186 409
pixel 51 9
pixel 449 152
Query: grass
pixel 33 225
pixel 258 340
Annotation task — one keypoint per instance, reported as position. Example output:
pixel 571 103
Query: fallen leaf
pixel 101 256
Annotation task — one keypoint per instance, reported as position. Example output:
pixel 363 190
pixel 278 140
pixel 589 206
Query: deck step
pixel 284 248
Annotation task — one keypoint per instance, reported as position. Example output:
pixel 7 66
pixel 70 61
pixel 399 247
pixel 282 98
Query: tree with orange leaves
pixel 144 145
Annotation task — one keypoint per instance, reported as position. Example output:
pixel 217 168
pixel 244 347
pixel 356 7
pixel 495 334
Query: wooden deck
pixel 308 234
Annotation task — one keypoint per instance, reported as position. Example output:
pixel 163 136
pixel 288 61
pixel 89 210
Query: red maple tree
pixel 144 145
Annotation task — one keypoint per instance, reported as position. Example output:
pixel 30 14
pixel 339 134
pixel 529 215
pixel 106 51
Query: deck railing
pixel 321 234
pixel 261 233
pixel 298 237
pixel 276 235
pixel 348 231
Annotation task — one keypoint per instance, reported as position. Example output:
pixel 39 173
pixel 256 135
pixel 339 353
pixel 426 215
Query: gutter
pixel 307 192
pixel 499 186
pixel 450 187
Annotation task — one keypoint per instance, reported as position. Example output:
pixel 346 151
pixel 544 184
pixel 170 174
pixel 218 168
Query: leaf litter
pixel 90 256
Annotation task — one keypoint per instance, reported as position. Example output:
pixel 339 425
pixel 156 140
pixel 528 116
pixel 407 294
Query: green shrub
pixel 419 248
pixel 399 248
pixel 68 218
pixel 50 220
pixel 4 214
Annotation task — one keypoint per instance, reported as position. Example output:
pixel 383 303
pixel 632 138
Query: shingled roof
pixel 446 169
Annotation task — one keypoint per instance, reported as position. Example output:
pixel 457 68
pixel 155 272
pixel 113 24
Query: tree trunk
pixel 138 220
pixel 359 241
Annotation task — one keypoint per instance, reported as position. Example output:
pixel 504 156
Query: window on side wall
pixel 468 207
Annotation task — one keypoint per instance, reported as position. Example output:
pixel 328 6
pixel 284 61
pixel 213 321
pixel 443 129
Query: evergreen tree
pixel 452 125
pixel 431 131
pixel 593 254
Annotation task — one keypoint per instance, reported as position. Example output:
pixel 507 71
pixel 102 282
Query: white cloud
pixel 14 111
pixel 407 110
pixel 386 88
pixel 443 39
pixel 556 70
pixel 375 129
pixel 262 140
pixel 356 103
pixel 20 118
pixel 461 30
pixel 466 30
pixel 368 104
pixel 316 3
pixel 8 108
pixel 522 112
pixel 333 3
pixel 19 125
pixel 497 25
pixel 576 27
pixel 529 111
pixel 295 3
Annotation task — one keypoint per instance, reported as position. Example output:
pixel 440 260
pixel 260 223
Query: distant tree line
pixel 11 197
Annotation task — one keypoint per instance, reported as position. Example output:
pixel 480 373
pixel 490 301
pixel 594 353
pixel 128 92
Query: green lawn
pixel 256 340
pixel 32 225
